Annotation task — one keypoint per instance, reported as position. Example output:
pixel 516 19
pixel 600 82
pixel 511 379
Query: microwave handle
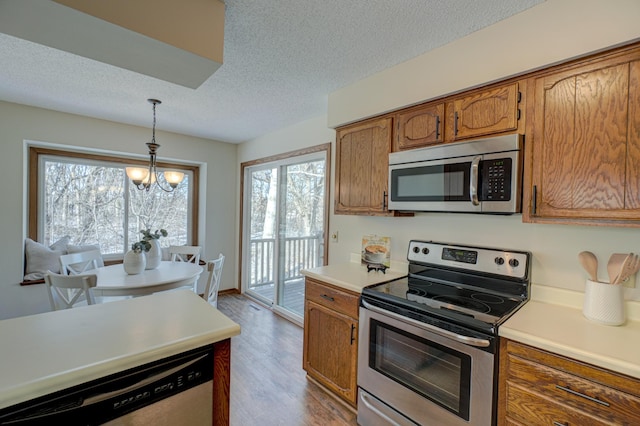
pixel 473 181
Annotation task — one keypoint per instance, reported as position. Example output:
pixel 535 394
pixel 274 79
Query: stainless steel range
pixel 428 341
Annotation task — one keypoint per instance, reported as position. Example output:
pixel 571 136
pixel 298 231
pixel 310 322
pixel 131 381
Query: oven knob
pixel 425 250
pixel 499 260
pixel 416 250
pixel 514 263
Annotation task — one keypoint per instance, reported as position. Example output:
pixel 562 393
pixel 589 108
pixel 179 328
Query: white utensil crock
pixel 604 303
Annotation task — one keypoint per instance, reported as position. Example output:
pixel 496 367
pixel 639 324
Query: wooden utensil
pixel 629 267
pixel 589 262
pixel 615 265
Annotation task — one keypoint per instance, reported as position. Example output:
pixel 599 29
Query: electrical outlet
pixel 334 237
pixel 630 282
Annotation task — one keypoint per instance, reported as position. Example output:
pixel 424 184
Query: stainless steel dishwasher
pixel 171 391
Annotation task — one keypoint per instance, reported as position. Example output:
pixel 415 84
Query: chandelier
pixel 144 178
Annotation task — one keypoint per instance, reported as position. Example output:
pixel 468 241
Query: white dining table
pixel 114 281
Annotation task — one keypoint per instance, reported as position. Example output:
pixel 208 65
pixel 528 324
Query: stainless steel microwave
pixel 481 176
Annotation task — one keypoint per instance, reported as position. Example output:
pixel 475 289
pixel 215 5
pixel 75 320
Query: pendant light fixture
pixel 144 178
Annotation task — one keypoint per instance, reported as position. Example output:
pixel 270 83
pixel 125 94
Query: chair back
pixel 185 254
pixel 213 281
pixel 67 290
pixel 78 263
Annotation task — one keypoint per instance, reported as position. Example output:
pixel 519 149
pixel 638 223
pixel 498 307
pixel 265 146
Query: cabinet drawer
pixel 338 300
pixel 591 391
pixel 533 409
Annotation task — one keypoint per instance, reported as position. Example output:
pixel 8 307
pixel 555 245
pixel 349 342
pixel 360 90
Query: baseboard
pixel 333 395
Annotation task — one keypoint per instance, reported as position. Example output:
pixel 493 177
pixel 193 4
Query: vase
pixel 134 263
pixel 154 255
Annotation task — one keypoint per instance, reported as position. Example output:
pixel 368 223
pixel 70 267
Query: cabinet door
pixel 419 127
pixel 541 388
pixel 586 144
pixel 362 167
pixel 331 349
pixel 486 112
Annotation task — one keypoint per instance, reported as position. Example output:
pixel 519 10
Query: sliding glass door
pixel 284 229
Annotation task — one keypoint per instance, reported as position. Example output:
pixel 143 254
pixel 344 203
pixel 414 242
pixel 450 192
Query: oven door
pixel 421 374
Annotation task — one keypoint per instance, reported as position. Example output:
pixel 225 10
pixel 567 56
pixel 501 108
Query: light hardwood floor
pixel 268 384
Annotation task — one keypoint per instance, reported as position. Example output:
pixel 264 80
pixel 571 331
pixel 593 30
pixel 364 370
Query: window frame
pixel 35 152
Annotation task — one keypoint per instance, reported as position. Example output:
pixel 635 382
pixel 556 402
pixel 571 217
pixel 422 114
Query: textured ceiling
pixel 281 60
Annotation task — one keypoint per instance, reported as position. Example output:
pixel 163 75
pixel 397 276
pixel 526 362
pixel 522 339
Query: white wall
pixel 548 33
pixel 545 34
pixel 19 123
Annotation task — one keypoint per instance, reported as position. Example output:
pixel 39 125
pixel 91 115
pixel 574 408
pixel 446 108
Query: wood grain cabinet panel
pixel 584 142
pixel 362 164
pixel 331 338
pixel 484 112
pixel 419 127
pixel 540 388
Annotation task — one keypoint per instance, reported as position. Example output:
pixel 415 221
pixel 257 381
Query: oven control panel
pixel 511 264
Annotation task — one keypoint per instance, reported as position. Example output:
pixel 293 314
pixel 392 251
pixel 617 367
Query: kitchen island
pixel 45 353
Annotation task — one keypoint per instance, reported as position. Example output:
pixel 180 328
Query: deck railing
pixel 299 253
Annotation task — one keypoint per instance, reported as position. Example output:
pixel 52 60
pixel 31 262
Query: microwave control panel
pixel 496 179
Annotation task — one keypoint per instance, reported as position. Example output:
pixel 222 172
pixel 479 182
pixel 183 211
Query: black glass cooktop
pixel 473 303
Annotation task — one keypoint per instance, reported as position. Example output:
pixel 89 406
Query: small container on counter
pixel 604 303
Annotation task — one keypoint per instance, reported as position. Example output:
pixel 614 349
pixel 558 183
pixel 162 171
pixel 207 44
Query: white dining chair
pixel 67 291
pixel 213 280
pixel 185 254
pixel 78 263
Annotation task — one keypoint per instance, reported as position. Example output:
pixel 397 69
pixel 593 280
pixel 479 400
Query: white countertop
pixel 352 276
pixel 44 353
pixel 551 320
pixel 561 328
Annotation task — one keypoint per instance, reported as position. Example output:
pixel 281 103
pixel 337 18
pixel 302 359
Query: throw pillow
pixel 41 258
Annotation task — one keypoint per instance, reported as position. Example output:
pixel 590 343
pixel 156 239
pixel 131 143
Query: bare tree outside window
pixel 95 204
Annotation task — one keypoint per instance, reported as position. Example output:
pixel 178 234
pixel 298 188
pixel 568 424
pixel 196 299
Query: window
pixel 90 198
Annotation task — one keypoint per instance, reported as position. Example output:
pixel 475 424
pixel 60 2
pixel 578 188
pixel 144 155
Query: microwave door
pixel 435 185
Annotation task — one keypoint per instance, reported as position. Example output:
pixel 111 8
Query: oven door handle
pixel 472 341
pixel 473 181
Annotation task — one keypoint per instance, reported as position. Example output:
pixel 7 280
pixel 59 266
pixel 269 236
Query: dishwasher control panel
pixel 113 396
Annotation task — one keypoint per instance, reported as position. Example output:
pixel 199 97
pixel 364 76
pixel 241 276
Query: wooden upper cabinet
pixel 483 112
pixel 584 143
pixel 419 127
pixel 362 167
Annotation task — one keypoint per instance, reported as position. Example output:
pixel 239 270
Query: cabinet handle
pixel 353 337
pixel 437 127
pixel 560 424
pixel 534 201
pixel 329 298
pixel 590 398
pixel 455 124
pixel 384 200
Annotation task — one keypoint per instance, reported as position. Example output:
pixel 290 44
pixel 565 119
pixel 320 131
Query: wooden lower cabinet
pixel 331 338
pixel 541 388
